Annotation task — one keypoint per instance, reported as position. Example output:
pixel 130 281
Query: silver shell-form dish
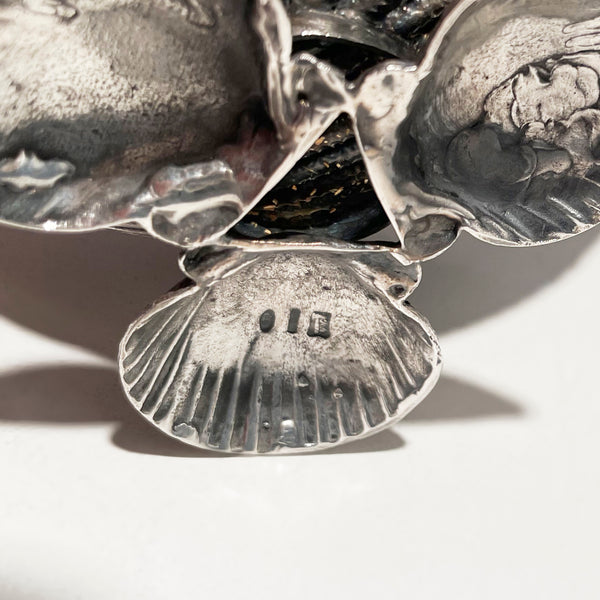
pixel 287 363
pixel 179 117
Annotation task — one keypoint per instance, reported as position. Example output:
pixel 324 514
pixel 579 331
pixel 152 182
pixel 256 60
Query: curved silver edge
pixel 288 366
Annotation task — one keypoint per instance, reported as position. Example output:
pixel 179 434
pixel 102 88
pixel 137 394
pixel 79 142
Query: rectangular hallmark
pixel 320 325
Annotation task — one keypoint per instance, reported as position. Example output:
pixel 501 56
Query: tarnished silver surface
pixel 400 28
pixel 146 92
pixel 488 123
pixel 118 87
pixel 495 130
pixel 474 135
pixel 318 349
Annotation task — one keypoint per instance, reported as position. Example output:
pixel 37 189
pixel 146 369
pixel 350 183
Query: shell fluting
pixel 292 351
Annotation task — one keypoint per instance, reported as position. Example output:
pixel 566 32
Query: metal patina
pixel 329 192
pixel 265 139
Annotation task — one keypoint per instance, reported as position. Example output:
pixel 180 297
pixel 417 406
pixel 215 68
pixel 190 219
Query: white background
pixel 489 490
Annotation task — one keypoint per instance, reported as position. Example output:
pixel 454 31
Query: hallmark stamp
pixel 320 325
pixel 267 321
pixel 294 320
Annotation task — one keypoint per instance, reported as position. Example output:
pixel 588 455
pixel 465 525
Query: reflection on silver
pixel 398 28
pixel 477 135
pixel 181 211
pixel 321 349
pixel 488 122
pixel 28 171
pixel 54 8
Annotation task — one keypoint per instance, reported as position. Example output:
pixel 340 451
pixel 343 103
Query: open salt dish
pixel 200 123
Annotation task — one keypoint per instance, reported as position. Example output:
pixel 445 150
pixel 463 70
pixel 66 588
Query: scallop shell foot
pixel 281 351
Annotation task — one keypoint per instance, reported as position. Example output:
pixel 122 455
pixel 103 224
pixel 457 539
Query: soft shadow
pixel 474 280
pixel 82 289
pixel 85 289
pixel 386 440
pixel 71 395
pixel 453 399
pixel 78 395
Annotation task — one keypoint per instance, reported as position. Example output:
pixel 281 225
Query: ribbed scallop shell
pixel 292 351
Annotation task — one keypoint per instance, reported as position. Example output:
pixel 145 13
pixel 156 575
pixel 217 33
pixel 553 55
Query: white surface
pixel 489 490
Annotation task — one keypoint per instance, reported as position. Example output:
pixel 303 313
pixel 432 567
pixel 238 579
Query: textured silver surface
pixel 27 171
pixel 294 343
pixel 118 86
pixel 400 28
pixel 282 350
pixel 495 130
pixel 160 116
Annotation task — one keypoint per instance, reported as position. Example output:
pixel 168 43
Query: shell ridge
pixel 184 413
pixel 215 378
pixel 132 358
pixel 183 330
pixel 174 308
pixel 168 393
pixel 212 398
